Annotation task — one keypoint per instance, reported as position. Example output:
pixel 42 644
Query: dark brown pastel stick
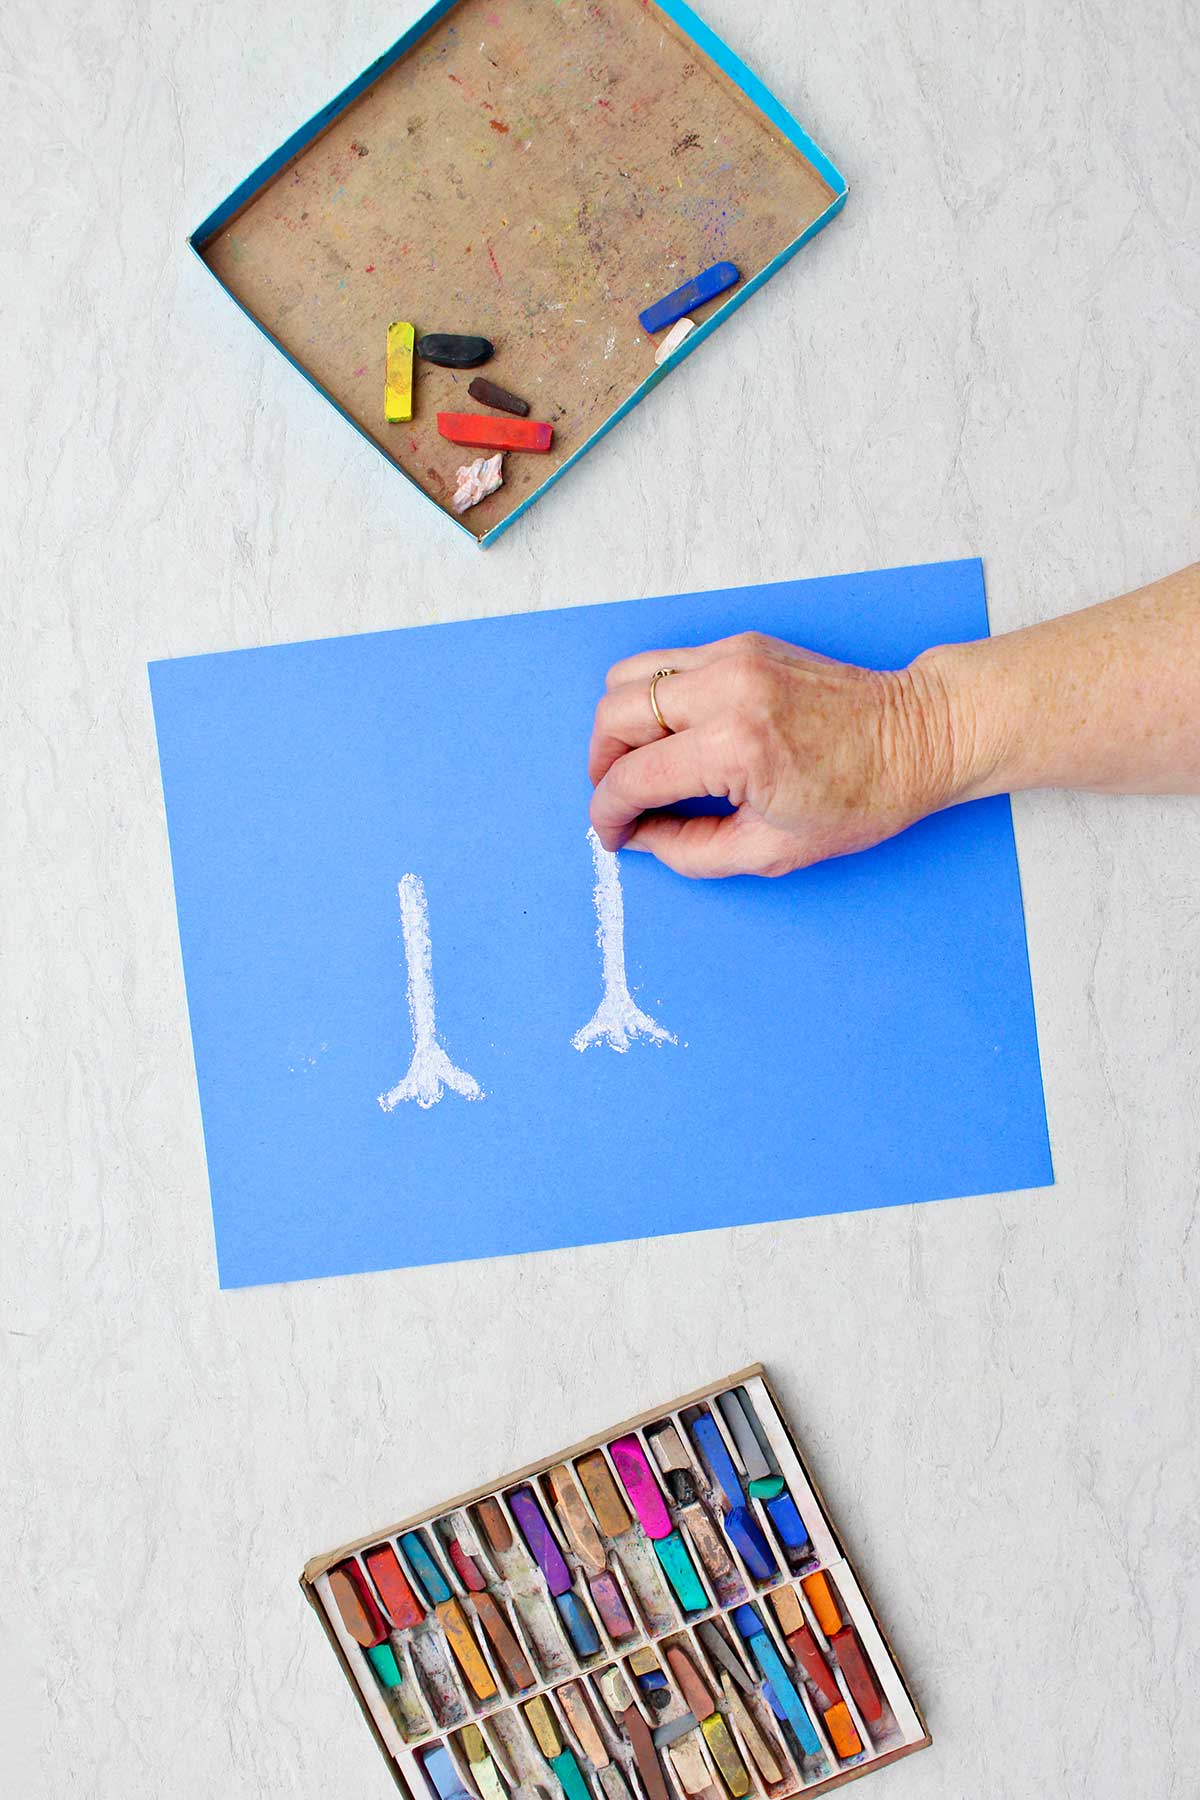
pixel 488 394
pixel 495 1525
pixel 644 1754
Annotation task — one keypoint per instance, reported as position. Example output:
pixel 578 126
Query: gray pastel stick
pixel 715 1643
pixel 742 1432
pixel 673 1728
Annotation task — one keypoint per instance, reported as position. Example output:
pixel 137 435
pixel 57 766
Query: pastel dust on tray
pixel 661 1612
pixel 546 191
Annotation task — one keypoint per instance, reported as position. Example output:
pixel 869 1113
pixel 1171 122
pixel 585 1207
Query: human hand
pixel 820 758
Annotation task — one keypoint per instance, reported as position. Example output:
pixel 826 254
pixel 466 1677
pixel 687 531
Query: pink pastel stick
pixel 629 1460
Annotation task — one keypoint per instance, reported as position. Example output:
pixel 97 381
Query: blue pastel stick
pixel 785 1517
pixel 769 1661
pixel 577 1620
pixel 425 1569
pixel 745 1534
pixel 751 1626
pixel 439 1767
pixel 707 1438
pixel 654 1678
pixel 706 286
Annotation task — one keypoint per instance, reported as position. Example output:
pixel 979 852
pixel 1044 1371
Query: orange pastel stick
pixel 820 1598
pixel 842 1734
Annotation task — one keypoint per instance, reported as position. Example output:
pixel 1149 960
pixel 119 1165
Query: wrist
pixel 964 753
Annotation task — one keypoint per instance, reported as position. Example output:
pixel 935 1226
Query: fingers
pixel 625 718
pixel 709 848
pixel 698 656
pixel 642 666
pixel 658 774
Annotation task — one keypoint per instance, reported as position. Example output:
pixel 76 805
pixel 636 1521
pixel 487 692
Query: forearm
pixel 1106 699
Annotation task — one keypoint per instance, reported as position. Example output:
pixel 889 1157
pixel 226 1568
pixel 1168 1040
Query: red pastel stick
pixel 394 1589
pixel 857 1670
pixel 807 1652
pixel 468 1571
pixel 483 432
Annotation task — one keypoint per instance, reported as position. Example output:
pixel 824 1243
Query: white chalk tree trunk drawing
pixel 617 1021
pixel 430 1070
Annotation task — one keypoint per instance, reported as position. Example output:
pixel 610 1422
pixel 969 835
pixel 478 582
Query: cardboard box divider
pixel 900 1731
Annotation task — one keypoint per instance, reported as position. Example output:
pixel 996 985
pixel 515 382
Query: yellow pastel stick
pixel 724 1754
pixel 544 1727
pixel 482 1767
pixel 756 1743
pixel 397 395
pixel 466 1650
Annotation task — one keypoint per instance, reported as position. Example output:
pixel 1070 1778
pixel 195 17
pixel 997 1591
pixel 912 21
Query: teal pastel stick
pixel 570 1776
pixel 425 1569
pixel 382 1659
pixel 680 1571
pixel 771 1664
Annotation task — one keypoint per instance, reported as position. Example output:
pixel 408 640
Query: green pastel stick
pixel 680 1571
pixel 383 1661
pixel 570 1776
pixel 767 1487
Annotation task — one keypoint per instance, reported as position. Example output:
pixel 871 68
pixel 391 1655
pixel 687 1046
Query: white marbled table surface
pixel 995 350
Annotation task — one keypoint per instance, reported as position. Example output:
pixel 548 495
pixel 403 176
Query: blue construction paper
pixel 859 1034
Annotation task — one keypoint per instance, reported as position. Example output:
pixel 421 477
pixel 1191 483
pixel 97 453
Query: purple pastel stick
pixel 629 1460
pixel 537 1534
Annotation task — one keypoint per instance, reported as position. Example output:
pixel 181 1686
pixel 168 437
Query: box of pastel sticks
pixel 663 1612
pixel 540 178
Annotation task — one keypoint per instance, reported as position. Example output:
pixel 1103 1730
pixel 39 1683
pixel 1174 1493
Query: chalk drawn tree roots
pixel 430 1070
pixel 617 1021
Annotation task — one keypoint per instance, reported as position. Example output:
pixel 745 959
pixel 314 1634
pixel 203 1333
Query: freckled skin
pixel 823 758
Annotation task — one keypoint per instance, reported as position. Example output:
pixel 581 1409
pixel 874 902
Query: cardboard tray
pixel 537 173
pixel 905 1733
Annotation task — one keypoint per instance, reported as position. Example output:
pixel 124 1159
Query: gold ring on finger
pixel 654 707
